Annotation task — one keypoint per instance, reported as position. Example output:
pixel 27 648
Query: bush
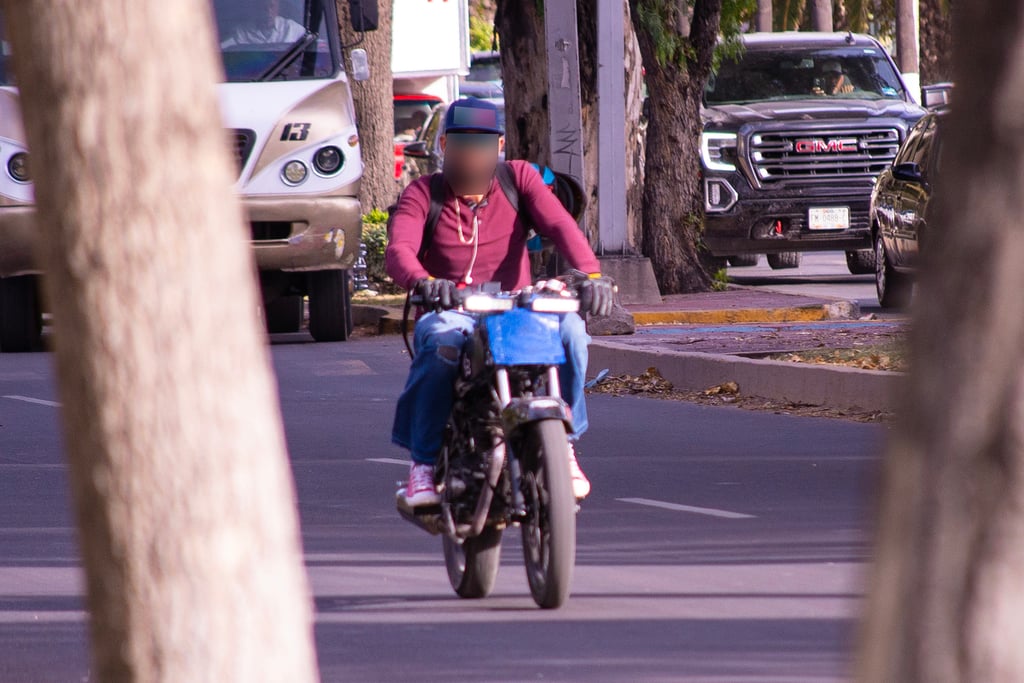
pixel 375 239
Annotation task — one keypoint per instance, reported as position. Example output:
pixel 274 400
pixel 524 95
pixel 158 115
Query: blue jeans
pixel 426 402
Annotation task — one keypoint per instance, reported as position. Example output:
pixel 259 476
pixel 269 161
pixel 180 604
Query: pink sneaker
pixel 580 483
pixel 420 490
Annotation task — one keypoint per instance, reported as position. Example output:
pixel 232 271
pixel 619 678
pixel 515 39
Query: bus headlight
pixel 328 160
pixel 294 172
pixel 17 167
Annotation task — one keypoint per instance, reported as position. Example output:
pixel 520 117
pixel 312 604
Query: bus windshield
pixel 262 40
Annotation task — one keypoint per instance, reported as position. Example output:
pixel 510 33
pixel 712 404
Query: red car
pixel 411 112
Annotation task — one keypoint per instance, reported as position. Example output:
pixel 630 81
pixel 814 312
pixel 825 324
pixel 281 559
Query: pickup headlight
pixel 718 151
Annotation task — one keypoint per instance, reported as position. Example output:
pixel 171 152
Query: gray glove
pixel 597 296
pixel 438 295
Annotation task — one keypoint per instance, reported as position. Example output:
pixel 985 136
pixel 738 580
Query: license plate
pixel 830 218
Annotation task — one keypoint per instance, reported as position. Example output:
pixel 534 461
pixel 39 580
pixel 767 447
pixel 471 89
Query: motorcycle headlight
pixel 555 304
pixel 718 151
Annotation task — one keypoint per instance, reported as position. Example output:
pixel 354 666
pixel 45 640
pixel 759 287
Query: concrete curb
pixel 816 385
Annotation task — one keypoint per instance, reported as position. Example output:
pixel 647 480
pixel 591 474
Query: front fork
pixel 515 468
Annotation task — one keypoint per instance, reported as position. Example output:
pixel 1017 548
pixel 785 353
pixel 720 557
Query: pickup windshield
pixel 275 39
pixel 763 75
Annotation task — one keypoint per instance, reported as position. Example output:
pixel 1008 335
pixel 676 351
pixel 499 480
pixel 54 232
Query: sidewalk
pixel 741 324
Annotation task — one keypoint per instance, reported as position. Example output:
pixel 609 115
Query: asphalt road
pixel 819 274
pixel 718 544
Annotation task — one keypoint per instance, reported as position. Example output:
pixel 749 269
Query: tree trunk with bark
pixel 946 601
pixel 936 45
pixel 678 66
pixel 524 65
pixel 520 29
pixel 183 495
pixel 375 107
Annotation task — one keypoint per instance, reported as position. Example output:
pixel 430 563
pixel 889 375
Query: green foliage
pixel 376 216
pixel 720 280
pixel 736 15
pixel 660 20
pixel 481 33
pixel 375 237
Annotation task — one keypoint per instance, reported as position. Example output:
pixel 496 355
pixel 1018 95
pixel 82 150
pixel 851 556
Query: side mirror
pixel 908 172
pixel 364 14
pixel 360 65
pixel 938 95
pixel 417 150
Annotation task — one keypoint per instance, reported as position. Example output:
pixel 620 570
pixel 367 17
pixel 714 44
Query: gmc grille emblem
pixel 833 145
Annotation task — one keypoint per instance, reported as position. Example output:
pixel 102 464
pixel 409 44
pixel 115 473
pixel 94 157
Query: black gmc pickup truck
pixel 796 129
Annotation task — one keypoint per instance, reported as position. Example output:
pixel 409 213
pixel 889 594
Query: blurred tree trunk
pixel 375 107
pixel 183 495
pixel 763 21
pixel 936 45
pixel 946 600
pixel 821 15
pixel 677 54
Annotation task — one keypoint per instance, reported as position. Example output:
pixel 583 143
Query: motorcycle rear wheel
pixel 473 565
pixel 549 533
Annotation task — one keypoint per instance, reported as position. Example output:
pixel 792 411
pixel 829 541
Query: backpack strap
pixel 507 181
pixel 508 184
pixel 433 214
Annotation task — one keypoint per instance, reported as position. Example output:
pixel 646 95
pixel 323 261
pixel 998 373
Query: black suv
pixel 796 129
pixel 900 210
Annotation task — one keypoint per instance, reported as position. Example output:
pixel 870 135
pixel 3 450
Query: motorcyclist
pixel 479 238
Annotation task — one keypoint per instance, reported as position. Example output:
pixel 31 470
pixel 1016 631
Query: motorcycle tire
pixel 473 565
pixel 549 533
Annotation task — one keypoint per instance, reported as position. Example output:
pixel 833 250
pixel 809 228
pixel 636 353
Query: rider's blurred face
pixel 832 80
pixel 470 160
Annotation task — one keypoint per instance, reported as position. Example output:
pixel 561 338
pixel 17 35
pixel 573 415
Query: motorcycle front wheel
pixel 549 532
pixel 473 564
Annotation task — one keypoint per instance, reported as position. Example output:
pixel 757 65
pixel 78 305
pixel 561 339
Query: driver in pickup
pixel 834 81
pixel 479 238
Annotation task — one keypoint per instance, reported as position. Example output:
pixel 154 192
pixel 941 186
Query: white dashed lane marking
pixel 676 507
pixel 37 401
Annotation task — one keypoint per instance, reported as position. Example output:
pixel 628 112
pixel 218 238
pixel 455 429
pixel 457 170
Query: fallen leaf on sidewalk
pixel 650 382
pixel 727 388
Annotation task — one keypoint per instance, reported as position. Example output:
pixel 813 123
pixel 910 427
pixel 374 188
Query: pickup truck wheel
pixel 787 259
pixel 284 314
pixel 21 321
pixel 893 287
pixel 744 260
pixel 861 262
pixel 330 305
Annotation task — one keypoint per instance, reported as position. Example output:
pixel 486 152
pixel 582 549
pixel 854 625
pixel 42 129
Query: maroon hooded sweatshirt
pixel 501 253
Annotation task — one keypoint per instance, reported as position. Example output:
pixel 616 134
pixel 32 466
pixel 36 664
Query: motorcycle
pixel 505 458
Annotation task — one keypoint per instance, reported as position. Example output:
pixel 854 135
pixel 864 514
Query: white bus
pixel 288 113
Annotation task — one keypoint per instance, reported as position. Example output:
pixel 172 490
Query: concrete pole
pixel 566 133
pixel 611 96
pixel 908 44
